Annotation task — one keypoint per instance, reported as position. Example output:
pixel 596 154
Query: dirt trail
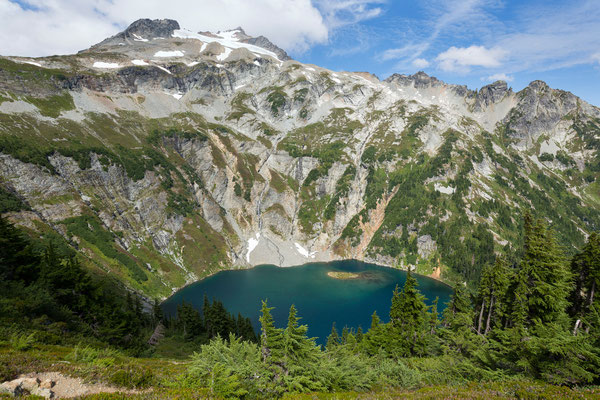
pixel 66 387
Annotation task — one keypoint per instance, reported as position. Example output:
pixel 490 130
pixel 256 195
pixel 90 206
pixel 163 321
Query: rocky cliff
pixel 165 155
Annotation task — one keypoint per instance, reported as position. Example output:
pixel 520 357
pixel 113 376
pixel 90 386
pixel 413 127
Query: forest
pixel 534 319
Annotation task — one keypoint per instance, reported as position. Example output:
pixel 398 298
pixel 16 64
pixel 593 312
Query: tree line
pixel 536 318
pixel 45 291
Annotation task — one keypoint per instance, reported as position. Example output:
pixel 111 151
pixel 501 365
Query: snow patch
pixel 173 53
pixel 164 69
pixel 252 243
pixel 310 68
pixel 223 56
pixel 192 63
pixel 138 38
pixel 226 39
pixel 443 189
pixel 219 65
pixel 304 252
pixel 256 63
pixel 203 47
pixel 105 65
pixel 139 62
pixel 33 63
pixel 239 87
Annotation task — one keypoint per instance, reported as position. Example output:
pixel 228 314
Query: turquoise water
pixel 320 299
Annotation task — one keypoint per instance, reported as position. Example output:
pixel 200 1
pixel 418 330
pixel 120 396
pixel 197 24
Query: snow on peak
pixel 227 39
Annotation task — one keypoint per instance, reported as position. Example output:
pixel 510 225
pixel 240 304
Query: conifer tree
pixel 491 295
pixel 376 338
pixel 409 320
pixel 301 357
pixel 333 339
pixel 543 281
pixel 459 334
pixel 271 338
pixel 585 267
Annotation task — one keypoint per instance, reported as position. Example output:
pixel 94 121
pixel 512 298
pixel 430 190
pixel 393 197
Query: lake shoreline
pixel 242 268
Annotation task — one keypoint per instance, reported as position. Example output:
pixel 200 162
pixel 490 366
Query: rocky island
pixel 343 275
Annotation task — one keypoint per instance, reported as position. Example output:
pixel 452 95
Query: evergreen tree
pixel 459 334
pixel 301 357
pixel 333 339
pixel 189 321
pixel 585 267
pixel 409 320
pixel 491 295
pixel 345 333
pixel 543 280
pixel 271 338
pixel 376 339
pixel 359 334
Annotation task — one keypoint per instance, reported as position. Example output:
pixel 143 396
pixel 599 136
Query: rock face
pixel 265 43
pixel 143 30
pixel 174 155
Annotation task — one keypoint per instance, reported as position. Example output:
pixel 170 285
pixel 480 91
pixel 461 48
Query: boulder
pixel 29 384
pixel 47 384
pixel 12 388
pixel 43 392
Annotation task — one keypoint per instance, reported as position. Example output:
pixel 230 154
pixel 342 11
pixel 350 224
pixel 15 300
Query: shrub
pixel 22 342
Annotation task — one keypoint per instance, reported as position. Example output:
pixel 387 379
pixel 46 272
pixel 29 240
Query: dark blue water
pixel 320 299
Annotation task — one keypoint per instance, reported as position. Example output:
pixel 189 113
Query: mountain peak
pixel 143 30
pixel 132 39
pixel 152 28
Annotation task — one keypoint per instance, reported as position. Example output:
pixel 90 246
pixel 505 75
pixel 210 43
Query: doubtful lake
pixel 320 298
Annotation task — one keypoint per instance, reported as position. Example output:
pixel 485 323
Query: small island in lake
pixel 342 275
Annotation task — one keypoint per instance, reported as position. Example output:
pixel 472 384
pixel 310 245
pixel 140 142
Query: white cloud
pixel 420 63
pixel 338 13
pixel 461 58
pixel 443 18
pixel 45 27
pixel 498 77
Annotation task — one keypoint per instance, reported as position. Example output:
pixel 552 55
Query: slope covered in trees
pixel 531 322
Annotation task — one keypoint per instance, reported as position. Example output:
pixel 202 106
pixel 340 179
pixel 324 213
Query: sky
pixel 467 42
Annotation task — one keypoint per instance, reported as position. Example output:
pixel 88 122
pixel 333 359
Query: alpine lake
pixel 345 292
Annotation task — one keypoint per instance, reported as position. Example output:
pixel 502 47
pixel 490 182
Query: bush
pixel 132 378
pixel 22 342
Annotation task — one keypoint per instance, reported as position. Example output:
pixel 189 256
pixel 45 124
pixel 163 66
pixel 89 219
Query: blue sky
pixel 469 42
pixel 474 42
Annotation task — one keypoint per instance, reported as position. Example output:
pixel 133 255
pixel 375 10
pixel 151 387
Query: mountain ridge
pixel 196 153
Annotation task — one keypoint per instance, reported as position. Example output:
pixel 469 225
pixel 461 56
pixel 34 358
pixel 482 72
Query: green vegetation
pixel 9 201
pixel 91 230
pixel 53 106
pixel 531 325
pixel 277 98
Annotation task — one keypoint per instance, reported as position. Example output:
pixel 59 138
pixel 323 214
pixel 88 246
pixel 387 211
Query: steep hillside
pixel 166 155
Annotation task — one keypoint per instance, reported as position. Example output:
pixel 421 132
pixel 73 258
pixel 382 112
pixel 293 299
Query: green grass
pixel 53 106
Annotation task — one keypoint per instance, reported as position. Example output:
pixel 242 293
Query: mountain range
pixel 164 155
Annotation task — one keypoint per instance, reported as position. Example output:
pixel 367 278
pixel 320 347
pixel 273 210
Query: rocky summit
pixel 164 155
